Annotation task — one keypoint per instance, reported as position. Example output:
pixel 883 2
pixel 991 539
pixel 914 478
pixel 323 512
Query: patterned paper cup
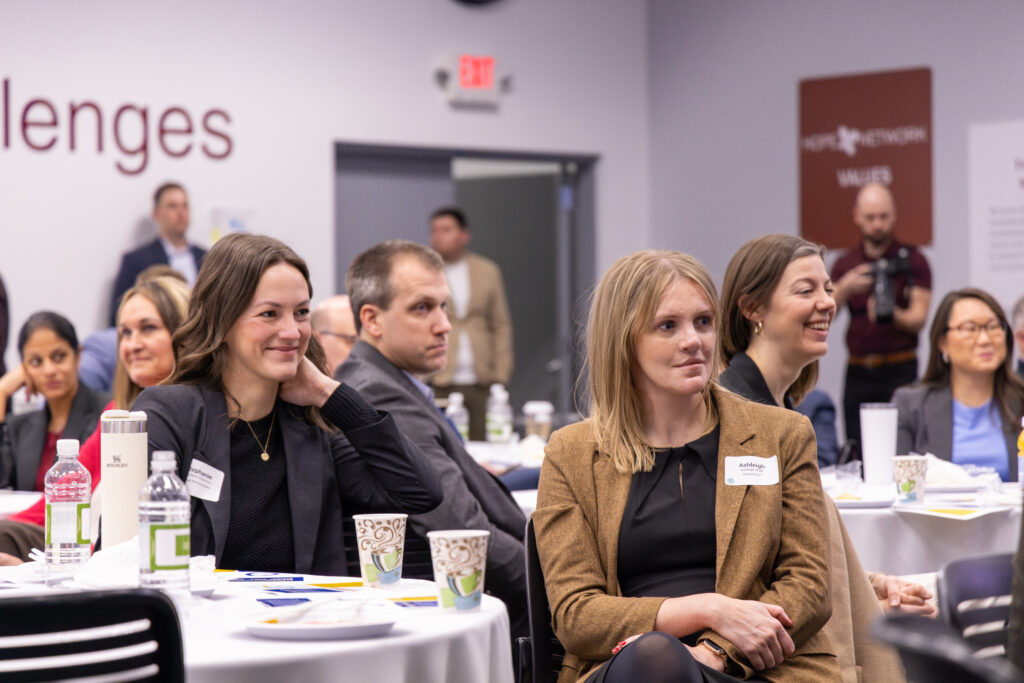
pixel 381 541
pixel 460 559
pixel 910 471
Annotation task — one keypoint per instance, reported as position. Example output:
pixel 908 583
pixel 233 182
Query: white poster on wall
pixel 996 168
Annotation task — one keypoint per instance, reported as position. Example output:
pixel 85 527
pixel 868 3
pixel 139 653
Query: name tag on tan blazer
pixel 751 470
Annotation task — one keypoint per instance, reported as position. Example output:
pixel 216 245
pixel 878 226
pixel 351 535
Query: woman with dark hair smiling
pixel 967 407
pixel 251 410
pixel 49 367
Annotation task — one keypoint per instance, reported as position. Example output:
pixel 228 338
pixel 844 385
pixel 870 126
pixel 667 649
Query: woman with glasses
pixel 967 407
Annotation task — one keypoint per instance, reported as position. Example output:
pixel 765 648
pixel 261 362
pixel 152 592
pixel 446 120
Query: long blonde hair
pixel 169 295
pixel 623 305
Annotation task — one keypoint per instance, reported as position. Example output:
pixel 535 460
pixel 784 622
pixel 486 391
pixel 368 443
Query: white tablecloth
pixel 426 645
pixel 894 541
pixel 16 501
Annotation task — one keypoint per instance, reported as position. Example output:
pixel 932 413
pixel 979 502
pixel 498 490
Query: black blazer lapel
pixel 79 420
pixel 28 448
pixel 937 415
pixel 214 449
pixel 304 465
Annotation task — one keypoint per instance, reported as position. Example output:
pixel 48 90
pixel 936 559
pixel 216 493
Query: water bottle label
pixel 68 523
pixel 164 546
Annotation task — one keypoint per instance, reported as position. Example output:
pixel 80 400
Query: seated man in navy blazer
pixel 399 294
pixel 170 213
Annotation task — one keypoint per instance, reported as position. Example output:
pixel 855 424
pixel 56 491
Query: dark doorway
pixel 530 213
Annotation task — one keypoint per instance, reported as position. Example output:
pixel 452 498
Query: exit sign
pixel 472 79
pixel 476 72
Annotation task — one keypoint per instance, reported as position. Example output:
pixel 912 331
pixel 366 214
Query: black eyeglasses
pixel 971 329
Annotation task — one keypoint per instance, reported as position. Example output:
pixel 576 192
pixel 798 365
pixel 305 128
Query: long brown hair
pixel 225 287
pixel 1008 390
pixel 623 305
pixel 169 295
pixel 750 280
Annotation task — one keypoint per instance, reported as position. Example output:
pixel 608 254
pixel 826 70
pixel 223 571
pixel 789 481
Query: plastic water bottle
pixel 499 415
pixel 456 412
pixel 68 487
pixel 164 530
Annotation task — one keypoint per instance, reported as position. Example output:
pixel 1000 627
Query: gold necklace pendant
pixel 265 447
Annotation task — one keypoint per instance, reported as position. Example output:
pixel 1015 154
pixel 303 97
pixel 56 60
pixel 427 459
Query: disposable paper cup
pixel 910 472
pixel 381 542
pixel 460 560
pixel 878 441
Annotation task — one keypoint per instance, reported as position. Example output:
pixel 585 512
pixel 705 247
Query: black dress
pixel 667 536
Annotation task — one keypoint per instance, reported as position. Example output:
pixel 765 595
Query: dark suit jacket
pixel 373 467
pixel 473 498
pixel 926 424
pixel 22 447
pixel 772 541
pixel 136 261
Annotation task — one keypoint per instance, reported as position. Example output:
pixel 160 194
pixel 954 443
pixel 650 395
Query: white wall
pixel 724 112
pixel 295 78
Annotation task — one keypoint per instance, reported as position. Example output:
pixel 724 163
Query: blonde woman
pixel 672 510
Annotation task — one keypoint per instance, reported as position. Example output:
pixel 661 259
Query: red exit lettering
pixel 476 72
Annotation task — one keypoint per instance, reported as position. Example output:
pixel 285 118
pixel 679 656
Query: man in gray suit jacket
pixel 398 293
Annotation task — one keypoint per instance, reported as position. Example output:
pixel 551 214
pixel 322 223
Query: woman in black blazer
pixel 269 444
pixel 49 367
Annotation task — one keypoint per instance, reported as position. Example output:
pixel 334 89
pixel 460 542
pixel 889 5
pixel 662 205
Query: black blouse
pixel 667 537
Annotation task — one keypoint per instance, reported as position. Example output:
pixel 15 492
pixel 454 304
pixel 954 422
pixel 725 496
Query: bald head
pixel 335 327
pixel 875 215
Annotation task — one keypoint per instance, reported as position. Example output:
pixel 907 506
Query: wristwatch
pixel 717 649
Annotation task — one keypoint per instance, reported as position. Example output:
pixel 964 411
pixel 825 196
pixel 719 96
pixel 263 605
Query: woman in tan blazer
pixel 678 510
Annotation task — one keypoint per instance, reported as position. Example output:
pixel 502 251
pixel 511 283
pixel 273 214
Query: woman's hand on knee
pixel 757 629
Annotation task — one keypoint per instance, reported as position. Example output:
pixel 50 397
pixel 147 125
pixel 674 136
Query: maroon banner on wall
pixel 856 129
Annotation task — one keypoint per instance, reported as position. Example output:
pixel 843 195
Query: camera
pixel 884 270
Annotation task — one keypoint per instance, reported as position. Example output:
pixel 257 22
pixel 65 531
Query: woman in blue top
pixel 967 407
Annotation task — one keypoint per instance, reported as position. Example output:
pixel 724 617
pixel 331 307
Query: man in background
pixel 480 352
pixel 171 215
pixel 882 350
pixel 335 327
pixel 399 294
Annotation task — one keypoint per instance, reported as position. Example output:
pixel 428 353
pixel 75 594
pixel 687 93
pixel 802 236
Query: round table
pixel 898 541
pixel 425 645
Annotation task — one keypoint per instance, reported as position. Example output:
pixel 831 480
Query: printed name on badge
pixel 750 470
pixel 204 481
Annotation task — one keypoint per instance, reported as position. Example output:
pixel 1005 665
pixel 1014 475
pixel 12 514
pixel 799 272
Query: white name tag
pixel 204 481
pixel 750 470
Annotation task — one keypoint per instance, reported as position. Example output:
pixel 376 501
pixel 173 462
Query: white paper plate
pixel 968 488
pixel 865 502
pixel 333 620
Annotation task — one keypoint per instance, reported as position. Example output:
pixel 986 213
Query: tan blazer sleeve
pixel 588 617
pixel 501 325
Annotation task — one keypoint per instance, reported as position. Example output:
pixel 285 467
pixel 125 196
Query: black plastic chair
pixel 933 652
pixel 416 562
pixel 121 635
pixel 538 657
pixel 984 584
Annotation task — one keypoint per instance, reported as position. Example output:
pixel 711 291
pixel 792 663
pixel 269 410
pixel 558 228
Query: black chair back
pixel 540 656
pixel 416 562
pixel 974 598
pixel 119 635
pixel 933 652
